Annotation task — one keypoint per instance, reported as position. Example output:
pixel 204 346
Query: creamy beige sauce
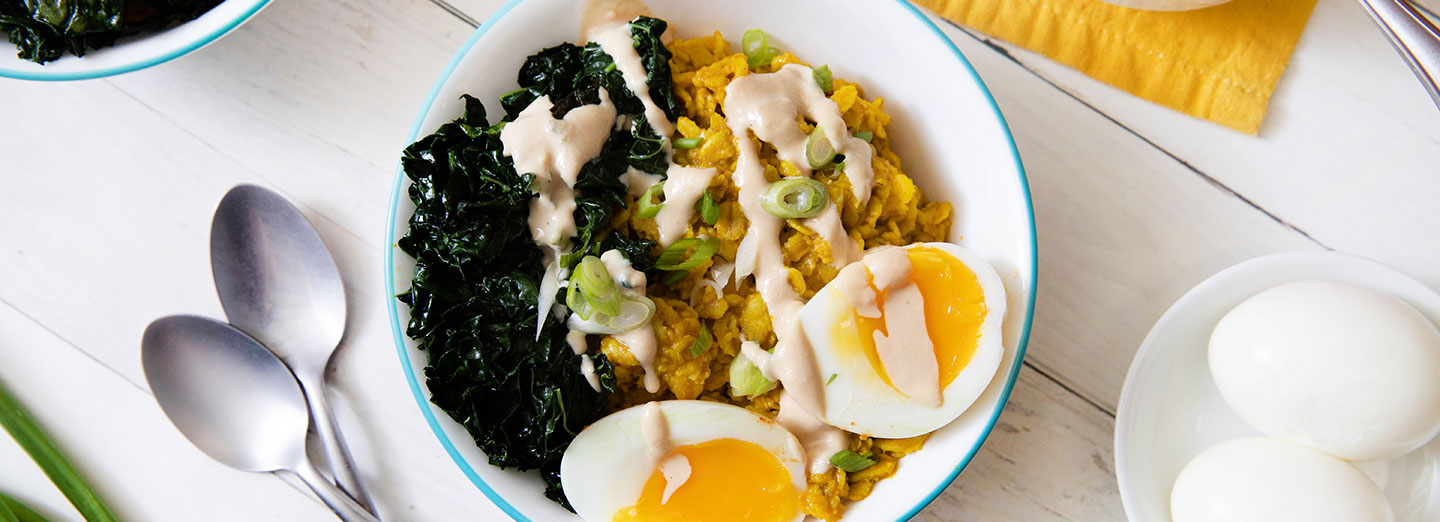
pixel 827 225
pixel 638 181
pixel 554 150
pixel 820 440
pixel 768 105
pixel 676 470
pixel 600 15
pixel 683 187
pixel 641 340
pixel 617 42
pixel 576 340
pixel 907 353
pixel 587 368
pixel 674 467
pixel 758 357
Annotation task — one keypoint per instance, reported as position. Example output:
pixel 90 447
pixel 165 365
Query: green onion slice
pixel 865 135
pixel 818 149
pixel 746 380
pixel 688 143
pixel 850 461
pixel 822 78
pixel 795 197
pixel 15 420
pixel 756 48
pixel 831 379
pixel 635 311
pixel 675 277
pixel 709 210
pixel 592 290
pixel 675 256
pixel 649 206
pixel 702 342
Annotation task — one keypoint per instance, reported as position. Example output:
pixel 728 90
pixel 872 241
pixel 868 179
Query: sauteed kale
pixel 44 30
pixel 477 271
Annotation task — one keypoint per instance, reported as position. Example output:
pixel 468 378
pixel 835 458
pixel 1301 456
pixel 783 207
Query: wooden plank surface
pixel 1135 204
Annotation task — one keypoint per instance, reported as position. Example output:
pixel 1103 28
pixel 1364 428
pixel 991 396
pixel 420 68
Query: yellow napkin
pixel 1219 63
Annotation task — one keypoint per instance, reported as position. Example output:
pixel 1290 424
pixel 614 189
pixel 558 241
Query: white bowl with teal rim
pixel 946 129
pixel 134 52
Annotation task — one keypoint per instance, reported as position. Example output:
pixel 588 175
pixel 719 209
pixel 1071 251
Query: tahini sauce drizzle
pixel 683 187
pixel 768 104
pixel 641 340
pixel 617 42
pixel 674 467
pixel 554 150
pixel 907 352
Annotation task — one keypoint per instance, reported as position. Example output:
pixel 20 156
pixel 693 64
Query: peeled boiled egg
pixel 694 461
pixel 906 339
pixel 1343 369
pixel 1269 480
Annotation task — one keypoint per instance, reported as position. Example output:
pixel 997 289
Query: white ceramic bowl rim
pixel 399 331
pixel 122 68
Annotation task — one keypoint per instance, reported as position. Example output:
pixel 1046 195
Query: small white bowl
pixel 946 127
pixel 135 52
pixel 1170 409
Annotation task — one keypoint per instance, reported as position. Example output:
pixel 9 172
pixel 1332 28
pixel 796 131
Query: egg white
pixel 1341 368
pixel 858 401
pixel 1268 480
pixel 606 466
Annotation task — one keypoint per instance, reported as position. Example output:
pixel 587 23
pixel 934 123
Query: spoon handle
pixel 1416 39
pixel 344 507
pixel 342 467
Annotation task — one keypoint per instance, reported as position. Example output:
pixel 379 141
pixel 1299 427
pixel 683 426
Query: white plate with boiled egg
pixel 956 147
pixel 1301 386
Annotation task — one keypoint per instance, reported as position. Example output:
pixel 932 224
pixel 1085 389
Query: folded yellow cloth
pixel 1220 63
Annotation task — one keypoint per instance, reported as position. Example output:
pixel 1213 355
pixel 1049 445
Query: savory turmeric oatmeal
pixel 690 282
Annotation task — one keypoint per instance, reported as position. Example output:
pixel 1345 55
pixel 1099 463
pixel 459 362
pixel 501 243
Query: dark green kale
pixel 44 30
pixel 646 32
pixel 475 289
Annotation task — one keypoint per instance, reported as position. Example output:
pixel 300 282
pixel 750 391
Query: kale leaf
pixel 44 30
pixel 475 287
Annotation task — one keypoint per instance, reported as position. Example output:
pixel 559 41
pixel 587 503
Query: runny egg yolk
pixel 954 312
pixel 730 480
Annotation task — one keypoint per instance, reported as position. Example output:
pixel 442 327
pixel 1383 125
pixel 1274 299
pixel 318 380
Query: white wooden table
pixel 107 188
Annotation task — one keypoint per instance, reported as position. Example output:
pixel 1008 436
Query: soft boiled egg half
pixel 691 461
pixel 906 339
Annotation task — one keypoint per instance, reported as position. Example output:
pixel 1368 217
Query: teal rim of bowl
pixel 399 333
pixel 132 67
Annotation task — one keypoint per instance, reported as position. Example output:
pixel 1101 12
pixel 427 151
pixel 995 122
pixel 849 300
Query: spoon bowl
pixel 235 400
pixel 230 396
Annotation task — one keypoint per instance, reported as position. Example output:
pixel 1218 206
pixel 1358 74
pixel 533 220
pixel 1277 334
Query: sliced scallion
pixel 865 135
pixel 648 206
pixel 795 197
pixel 702 342
pixel 687 253
pixel 675 277
pixel 818 149
pixel 709 210
pixel 756 48
pixel 822 78
pixel 688 143
pixel 592 290
pixel 17 511
pixel 831 379
pixel 746 380
pixel 850 461
pixel 635 311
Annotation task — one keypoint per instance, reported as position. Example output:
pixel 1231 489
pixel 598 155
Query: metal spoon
pixel 1413 36
pixel 278 283
pixel 235 401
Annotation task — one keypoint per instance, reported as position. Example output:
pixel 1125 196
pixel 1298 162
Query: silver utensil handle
pixel 344 507
pixel 342 467
pixel 1413 36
